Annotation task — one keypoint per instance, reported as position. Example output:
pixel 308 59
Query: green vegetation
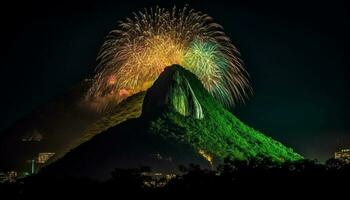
pixel 192 116
pixel 219 133
pixel 193 129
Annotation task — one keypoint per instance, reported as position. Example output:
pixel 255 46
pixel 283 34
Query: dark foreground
pixel 253 178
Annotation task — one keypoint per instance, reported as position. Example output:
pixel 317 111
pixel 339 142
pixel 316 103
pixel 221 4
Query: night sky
pixel 296 53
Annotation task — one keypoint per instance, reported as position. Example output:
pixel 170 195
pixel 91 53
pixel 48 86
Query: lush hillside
pixel 180 124
pixel 218 133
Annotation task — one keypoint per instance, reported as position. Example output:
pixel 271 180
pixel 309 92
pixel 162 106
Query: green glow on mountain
pixel 219 133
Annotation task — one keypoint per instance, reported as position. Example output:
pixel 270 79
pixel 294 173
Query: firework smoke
pixel 134 55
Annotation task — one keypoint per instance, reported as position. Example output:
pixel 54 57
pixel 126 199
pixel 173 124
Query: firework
pixel 134 55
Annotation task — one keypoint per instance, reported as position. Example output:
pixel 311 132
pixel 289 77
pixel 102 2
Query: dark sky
pixel 296 53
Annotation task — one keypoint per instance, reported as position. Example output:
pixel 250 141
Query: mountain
pixel 181 123
pixel 60 126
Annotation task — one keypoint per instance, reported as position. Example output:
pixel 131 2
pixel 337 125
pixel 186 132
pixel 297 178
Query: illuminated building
pixel 9 176
pixel 12 175
pixel 44 157
pixel 343 154
pixel 38 162
pixel 158 179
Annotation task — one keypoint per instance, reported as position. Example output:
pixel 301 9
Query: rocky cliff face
pixel 173 91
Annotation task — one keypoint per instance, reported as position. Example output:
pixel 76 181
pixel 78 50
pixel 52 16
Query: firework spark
pixel 135 54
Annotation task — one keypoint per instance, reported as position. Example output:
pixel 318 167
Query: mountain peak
pixel 172 90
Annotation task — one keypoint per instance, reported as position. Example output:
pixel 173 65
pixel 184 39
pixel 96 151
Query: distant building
pixel 158 179
pixel 44 157
pixel 9 176
pixel 343 154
